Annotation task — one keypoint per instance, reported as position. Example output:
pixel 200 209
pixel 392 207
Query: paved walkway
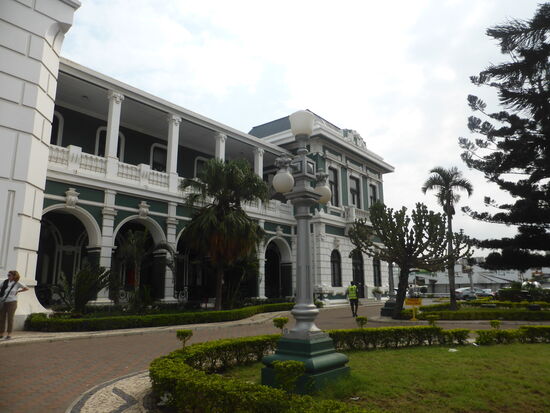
pixel 106 372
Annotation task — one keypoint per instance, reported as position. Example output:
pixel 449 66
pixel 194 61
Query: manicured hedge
pixel 490 314
pixel 41 322
pixel 393 337
pixel 507 304
pixel 181 379
pixel 525 334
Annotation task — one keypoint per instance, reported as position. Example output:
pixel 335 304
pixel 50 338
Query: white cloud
pixel 396 71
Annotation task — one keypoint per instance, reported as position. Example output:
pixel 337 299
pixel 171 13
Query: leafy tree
pixel 221 229
pixel 447 182
pixel 418 241
pixel 513 148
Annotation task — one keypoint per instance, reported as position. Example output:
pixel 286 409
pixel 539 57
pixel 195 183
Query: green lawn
pixel 504 378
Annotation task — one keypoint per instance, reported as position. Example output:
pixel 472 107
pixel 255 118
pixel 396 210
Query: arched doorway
pixel 153 266
pixel 358 272
pixel 62 251
pixel 195 278
pixel 336 269
pixel 278 274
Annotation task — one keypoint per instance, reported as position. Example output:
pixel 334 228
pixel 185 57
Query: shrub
pixel 432 319
pixel 181 378
pixel 184 336
pixel 485 337
pixel 535 334
pixel 280 322
pixel 40 322
pixel 495 324
pixel 487 314
pixel 287 373
pixel 361 321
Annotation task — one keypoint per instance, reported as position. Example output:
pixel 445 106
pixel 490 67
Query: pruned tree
pixel 448 183
pixel 415 241
pixel 512 147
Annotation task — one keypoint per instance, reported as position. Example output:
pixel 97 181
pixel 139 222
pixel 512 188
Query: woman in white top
pixel 10 288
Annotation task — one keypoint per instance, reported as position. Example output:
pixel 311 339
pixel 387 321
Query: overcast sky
pixel 395 71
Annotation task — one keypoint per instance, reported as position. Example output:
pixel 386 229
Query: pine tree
pixel 513 149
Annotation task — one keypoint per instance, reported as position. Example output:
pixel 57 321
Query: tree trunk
pixel 401 292
pixel 219 288
pixel 451 268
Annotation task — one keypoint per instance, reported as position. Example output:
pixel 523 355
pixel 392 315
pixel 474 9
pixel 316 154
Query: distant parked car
pixel 466 293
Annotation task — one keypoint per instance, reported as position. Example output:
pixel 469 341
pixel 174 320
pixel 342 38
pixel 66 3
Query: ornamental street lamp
pixel 305 342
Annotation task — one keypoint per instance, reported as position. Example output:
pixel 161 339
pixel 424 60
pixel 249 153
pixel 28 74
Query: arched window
pixel 158 157
pixel 56 136
pixel 100 142
pixel 377 272
pixel 336 268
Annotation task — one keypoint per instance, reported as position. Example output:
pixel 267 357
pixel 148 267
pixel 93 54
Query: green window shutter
pixel 344 175
pixel 365 193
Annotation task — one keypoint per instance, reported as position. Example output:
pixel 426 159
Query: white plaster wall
pixel 31 34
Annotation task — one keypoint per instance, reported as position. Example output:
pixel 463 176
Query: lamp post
pixel 305 342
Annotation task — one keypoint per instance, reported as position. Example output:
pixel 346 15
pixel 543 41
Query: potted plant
pixel 377 291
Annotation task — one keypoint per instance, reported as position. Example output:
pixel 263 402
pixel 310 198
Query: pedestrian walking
pixel 351 292
pixel 8 301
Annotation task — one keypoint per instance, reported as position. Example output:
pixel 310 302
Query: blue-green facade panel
pixel 133 202
pixel 272 226
pixel 59 188
pixel 332 230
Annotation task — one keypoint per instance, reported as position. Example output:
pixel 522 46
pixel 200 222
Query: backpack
pixel 4 286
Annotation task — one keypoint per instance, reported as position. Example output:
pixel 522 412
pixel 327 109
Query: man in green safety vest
pixel 353 298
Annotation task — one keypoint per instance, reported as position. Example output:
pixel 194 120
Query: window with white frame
pixel 100 142
pixel 355 192
pixel 158 157
pixel 336 268
pixel 373 194
pixel 200 162
pixel 377 271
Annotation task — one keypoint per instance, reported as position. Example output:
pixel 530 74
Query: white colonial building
pixel 87 158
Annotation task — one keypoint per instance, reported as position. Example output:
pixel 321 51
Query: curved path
pixel 47 375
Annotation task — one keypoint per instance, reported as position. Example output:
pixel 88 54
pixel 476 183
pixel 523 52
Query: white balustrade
pixel 128 171
pixel 158 178
pixel 59 155
pixel 93 163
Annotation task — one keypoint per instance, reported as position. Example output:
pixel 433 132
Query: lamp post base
pixel 323 364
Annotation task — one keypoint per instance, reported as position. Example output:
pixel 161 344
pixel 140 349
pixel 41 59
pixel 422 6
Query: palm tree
pixel 220 228
pixel 446 182
pixel 133 250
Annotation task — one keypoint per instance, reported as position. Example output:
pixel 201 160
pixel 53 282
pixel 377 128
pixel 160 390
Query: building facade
pixel 87 159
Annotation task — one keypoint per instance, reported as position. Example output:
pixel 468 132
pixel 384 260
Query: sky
pixel 395 71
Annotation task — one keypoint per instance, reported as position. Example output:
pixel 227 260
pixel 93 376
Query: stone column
pixel 261 263
pixel 32 33
pixel 259 162
pixel 220 146
pixel 113 126
pixel 107 240
pixel 172 152
pixel 171 234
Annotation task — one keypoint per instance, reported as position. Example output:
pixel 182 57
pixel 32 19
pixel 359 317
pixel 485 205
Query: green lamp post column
pixel 305 342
